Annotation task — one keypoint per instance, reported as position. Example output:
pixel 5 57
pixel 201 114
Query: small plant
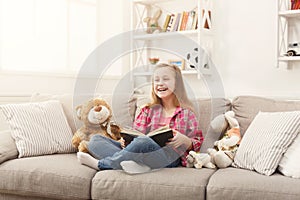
pixel 153 60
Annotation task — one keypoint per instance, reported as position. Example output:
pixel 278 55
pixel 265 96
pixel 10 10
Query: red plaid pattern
pixel 184 120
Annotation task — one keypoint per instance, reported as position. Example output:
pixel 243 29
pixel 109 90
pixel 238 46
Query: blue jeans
pixel 141 150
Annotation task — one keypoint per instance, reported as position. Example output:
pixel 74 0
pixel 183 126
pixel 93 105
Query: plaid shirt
pixel 183 120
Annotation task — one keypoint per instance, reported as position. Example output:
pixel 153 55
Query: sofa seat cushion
pixel 243 184
pixel 57 176
pixel 167 183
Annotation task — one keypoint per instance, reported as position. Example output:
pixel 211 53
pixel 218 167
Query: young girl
pixel 170 106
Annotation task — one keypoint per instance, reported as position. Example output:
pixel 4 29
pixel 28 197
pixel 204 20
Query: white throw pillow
pixel 39 128
pixel 290 162
pixel 266 140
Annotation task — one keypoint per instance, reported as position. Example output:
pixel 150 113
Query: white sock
pixel 131 167
pixel 87 159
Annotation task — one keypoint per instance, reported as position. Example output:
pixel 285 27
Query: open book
pixel 161 136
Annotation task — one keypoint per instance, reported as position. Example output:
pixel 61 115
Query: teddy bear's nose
pixel 97 108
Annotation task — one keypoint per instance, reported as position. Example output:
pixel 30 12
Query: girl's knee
pixel 142 144
pixel 143 141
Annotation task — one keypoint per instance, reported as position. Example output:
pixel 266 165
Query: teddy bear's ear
pixel 78 112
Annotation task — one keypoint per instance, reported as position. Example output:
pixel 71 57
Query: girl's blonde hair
pixel 181 98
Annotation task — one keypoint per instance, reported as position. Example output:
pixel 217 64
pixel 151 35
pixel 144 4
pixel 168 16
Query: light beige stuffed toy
pixel 96 117
pixel 199 160
pixel 224 150
pixel 222 155
pixel 152 22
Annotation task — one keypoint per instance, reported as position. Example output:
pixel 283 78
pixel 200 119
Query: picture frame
pixel 178 62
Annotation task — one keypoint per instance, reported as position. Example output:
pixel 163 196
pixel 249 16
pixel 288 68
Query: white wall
pixel 245 53
pixel 246 36
pixel 23 84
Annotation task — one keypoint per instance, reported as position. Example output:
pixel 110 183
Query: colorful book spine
pixel 189 23
pixel 184 21
pixel 176 24
pixel 195 22
pixel 166 23
pixel 170 23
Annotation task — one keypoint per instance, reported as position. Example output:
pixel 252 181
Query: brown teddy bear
pixel 96 116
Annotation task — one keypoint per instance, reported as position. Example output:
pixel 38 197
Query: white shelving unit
pixel 141 41
pixel 285 14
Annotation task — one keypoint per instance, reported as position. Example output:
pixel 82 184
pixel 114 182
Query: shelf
pixel 164 35
pixel 144 42
pixel 290 13
pixel 150 2
pixel 143 73
pixel 291 58
pixel 184 72
pixel 189 72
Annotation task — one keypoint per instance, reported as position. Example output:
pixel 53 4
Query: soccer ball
pixel 193 58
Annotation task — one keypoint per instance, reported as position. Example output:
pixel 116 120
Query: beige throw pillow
pixel 39 128
pixel 266 140
pixel 290 162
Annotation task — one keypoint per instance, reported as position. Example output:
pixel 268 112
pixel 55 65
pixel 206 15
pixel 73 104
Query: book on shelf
pixel 161 135
pixel 176 22
pixel 184 20
pixel 173 23
pixel 168 16
pixel 295 4
pixel 168 29
pixel 195 22
pixel 180 21
pixel 206 16
pixel 190 19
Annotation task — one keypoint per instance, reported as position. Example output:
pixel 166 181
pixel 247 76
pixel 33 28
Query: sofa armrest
pixel 8 148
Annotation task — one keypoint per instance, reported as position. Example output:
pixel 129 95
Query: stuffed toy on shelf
pixel 152 22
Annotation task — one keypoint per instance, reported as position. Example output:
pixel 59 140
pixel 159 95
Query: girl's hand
pixel 180 140
pixel 122 142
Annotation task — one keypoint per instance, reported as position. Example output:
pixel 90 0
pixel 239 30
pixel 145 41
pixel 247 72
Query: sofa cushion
pixel 209 109
pixel 247 107
pixel 167 183
pixel 58 176
pixel 19 197
pixel 266 140
pixel 39 128
pixel 290 162
pixel 232 183
pixel 8 148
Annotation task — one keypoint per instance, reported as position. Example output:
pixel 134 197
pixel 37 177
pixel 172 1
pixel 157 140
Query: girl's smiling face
pixel 164 82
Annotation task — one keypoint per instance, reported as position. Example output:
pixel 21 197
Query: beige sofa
pixel 60 176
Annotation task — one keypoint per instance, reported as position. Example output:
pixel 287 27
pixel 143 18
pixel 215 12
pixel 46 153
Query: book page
pixel 131 132
pixel 159 130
